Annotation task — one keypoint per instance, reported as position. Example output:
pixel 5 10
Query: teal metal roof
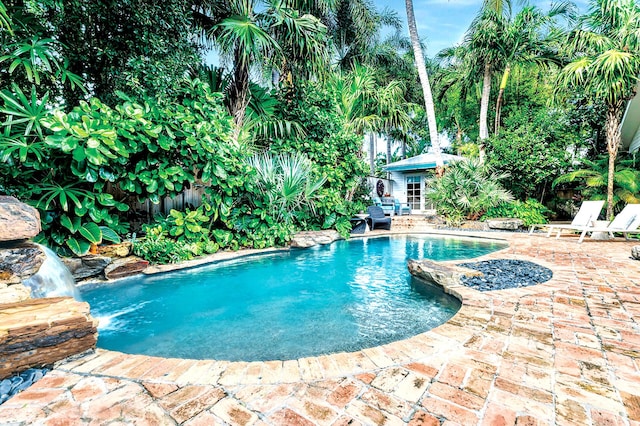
pixel 420 162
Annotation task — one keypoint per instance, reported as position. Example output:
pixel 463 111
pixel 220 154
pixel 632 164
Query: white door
pixel 414 192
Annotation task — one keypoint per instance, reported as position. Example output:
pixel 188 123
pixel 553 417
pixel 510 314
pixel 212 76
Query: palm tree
pixel 593 180
pixel 483 39
pixel 354 29
pixel 279 36
pixel 301 36
pixel 242 42
pixel 426 87
pixel 456 86
pixel 528 39
pixel 501 7
pixel 394 111
pixel 606 44
pixel 369 106
pixel 355 93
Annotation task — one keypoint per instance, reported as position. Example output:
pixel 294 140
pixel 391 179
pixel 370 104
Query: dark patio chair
pixel 377 219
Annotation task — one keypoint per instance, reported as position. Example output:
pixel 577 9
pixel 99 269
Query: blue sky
pixel 442 23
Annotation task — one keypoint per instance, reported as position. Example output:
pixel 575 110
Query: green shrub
pixel 190 225
pixel 532 149
pixel 334 150
pixel 530 211
pixel 158 249
pixel 65 163
pixel 466 191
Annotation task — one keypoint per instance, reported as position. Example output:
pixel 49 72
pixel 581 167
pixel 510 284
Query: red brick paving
pixel 563 352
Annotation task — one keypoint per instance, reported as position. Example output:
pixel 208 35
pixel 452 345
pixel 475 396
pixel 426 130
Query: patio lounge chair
pixel 377 218
pixel 401 209
pixel 625 222
pixel 388 206
pixel 586 216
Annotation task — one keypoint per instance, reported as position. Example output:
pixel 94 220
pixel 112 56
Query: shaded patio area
pixel 563 352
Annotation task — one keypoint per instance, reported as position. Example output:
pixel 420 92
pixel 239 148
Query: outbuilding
pixel 410 179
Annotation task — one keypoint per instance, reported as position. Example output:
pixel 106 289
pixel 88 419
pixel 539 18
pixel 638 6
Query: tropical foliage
pixel 530 211
pixel 592 181
pixel 333 146
pixel 606 45
pixel 288 184
pixel 66 164
pixel 535 147
pixel 467 190
pixel 107 105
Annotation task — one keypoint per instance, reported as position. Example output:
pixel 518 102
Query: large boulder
pixel 116 250
pixel 18 221
pixel 22 260
pixel 39 332
pixel 442 274
pixel 13 292
pixel 635 252
pixel 474 225
pixel 86 266
pixel 11 288
pixel 313 238
pixel 505 223
pixel 125 267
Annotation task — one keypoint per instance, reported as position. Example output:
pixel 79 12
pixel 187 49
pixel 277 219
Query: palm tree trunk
pixel 503 85
pixel 372 154
pixel 238 98
pixel 484 109
pixel 426 87
pixel 613 143
pixel 404 149
pixel 389 140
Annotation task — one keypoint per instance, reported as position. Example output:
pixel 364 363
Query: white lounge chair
pixel 625 222
pixel 586 216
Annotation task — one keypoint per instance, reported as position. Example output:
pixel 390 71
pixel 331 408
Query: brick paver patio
pixel 564 352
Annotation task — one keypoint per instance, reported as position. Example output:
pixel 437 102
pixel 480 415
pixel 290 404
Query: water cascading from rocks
pixel 37 327
pixel 53 279
pixel 26 267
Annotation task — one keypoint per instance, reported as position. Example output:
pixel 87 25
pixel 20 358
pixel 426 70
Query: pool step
pixel 412 223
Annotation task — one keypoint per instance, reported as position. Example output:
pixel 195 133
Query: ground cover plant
pixel 530 211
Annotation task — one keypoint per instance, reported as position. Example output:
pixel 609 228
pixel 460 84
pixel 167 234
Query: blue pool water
pixel 346 296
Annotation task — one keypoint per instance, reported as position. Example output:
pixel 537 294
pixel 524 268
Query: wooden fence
pixel 140 213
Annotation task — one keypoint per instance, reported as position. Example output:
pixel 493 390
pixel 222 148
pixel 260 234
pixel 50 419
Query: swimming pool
pixel 345 296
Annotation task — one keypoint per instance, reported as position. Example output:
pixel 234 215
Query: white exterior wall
pixel 635 142
pixel 399 186
pixel 399 180
pixel 630 124
pixel 388 185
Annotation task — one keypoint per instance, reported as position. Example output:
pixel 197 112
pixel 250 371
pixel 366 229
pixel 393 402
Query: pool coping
pixel 383 356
